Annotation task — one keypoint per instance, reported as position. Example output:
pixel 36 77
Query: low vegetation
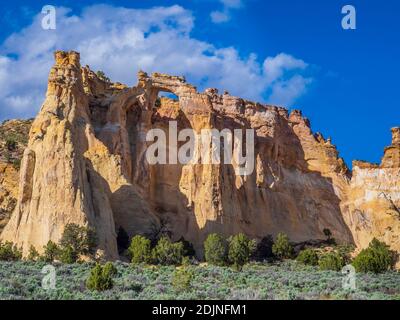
pixel 308 257
pixel 287 280
pixel 182 278
pixel 102 76
pixel 9 252
pixel 331 261
pixel 76 241
pixel 168 253
pixel 376 258
pixel 140 250
pixel 282 249
pixel 241 249
pixel 216 250
pixel 167 270
pixel 101 277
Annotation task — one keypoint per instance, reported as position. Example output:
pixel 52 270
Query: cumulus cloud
pixel 286 91
pixel 224 15
pixel 121 41
pixel 274 67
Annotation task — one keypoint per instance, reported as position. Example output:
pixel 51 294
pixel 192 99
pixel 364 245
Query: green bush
pixel 241 249
pixel 182 279
pixel 345 252
pixel 51 252
pixel 308 257
pixel 68 255
pixel 215 250
pixel 9 252
pixel 168 253
pixel 33 254
pixel 11 144
pixel 81 239
pixel 122 240
pixel 110 269
pixel 102 76
pixel 282 248
pixel 16 163
pixel 376 258
pixel 140 250
pixel 101 277
pixel 331 261
pixel 8 156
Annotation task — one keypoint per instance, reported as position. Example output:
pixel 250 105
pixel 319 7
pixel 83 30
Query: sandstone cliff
pixel 13 140
pixel 85 163
pixel 373 201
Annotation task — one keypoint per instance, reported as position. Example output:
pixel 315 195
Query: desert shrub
pixel 331 261
pixel 103 76
pixel 51 252
pixel 376 258
pixel 215 250
pixel 241 249
pixel 264 249
pixel 182 279
pixel 33 254
pixel 140 250
pixel 110 269
pixel 186 261
pixel 101 277
pixel 8 156
pixel 9 252
pixel 308 257
pixel 168 253
pixel 122 240
pixel 81 239
pixel 282 248
pixel 68 255
pixel 345 252
pixel 16 163
pixel 11 144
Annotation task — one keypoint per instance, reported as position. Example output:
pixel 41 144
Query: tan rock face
pixel 373 200
pixel 85 163
pixel 13 140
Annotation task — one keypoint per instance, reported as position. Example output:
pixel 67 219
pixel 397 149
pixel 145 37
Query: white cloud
pixel 224 15
pixel 220 16
pixel 274 67
pixel 286 91
pixel 121 41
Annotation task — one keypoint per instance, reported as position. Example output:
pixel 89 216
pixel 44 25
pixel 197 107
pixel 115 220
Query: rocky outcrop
pixel 373 198
pixel 13 140
pixel 86 163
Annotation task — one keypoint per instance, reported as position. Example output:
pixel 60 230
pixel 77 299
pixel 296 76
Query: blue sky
pixel 288 52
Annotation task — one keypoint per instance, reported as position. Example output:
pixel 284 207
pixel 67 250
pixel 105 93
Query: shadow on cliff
pixel 282 194
pixel 122 207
